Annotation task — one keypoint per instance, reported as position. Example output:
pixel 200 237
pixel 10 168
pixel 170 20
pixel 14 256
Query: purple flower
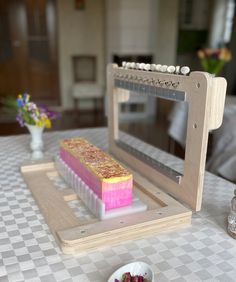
pixel 50 114
pixel 214 55
pixel 24 96
pixel 20 120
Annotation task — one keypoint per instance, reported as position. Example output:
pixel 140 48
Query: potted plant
pixel 214 59
pixel 34 117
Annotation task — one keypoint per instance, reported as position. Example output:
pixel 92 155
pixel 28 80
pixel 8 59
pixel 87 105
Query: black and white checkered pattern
pixel 28 251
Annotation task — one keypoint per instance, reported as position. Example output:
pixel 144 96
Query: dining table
pixel 203 251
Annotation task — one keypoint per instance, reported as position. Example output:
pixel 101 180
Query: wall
pixel 127 26
pixel 194 14
pixel 167 32
pixel 217 26
pixel 143 27
pixel 80 32
pixel 131 27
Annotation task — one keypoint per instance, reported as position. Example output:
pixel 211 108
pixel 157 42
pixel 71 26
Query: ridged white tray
pixel 90 199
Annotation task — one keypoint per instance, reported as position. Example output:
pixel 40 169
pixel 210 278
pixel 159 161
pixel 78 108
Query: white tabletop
pixel 179 114
pixel 223 159
pixel 28 251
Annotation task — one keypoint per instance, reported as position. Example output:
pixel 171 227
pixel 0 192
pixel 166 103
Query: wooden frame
pixel 205 96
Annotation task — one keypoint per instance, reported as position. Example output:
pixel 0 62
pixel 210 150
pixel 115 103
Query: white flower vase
pixel 36 143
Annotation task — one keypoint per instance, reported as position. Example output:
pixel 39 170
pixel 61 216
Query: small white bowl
pixel 135 268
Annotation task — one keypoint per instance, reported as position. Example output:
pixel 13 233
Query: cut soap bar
pixel 111 182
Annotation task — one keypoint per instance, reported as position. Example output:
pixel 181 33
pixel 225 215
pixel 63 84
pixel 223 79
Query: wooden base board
pixel 76 235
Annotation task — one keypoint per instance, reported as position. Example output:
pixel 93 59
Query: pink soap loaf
pixel 111 182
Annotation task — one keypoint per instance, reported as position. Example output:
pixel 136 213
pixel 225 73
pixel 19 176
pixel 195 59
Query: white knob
pixel 137 66
pixel 132 65
pixel 153 67
pixel 128 65
pixel 141 66
pixel 171 69
pixel 177 69
pixel 185 70
pixel 164 68
pixel 123 64
pixel 147 67
pixel 158 67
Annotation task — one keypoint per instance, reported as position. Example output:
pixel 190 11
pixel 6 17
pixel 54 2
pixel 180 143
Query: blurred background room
pixel 57 50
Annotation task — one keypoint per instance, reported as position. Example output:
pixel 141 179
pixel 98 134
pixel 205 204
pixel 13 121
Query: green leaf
pixel 9 102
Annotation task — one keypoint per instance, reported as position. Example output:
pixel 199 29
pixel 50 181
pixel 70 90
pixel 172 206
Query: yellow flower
pixel 201 54
pixel 39 123
pixel 47 123
pixel 27 98
pixel 228 56
pixel 209 51
pixel 225 54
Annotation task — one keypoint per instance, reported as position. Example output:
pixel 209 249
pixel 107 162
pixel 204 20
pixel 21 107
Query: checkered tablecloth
pixel 28 251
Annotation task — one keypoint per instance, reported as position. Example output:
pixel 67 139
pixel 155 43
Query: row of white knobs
pixel 160 68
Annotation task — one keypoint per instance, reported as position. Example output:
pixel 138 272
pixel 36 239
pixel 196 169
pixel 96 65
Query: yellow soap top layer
pixel 97 161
